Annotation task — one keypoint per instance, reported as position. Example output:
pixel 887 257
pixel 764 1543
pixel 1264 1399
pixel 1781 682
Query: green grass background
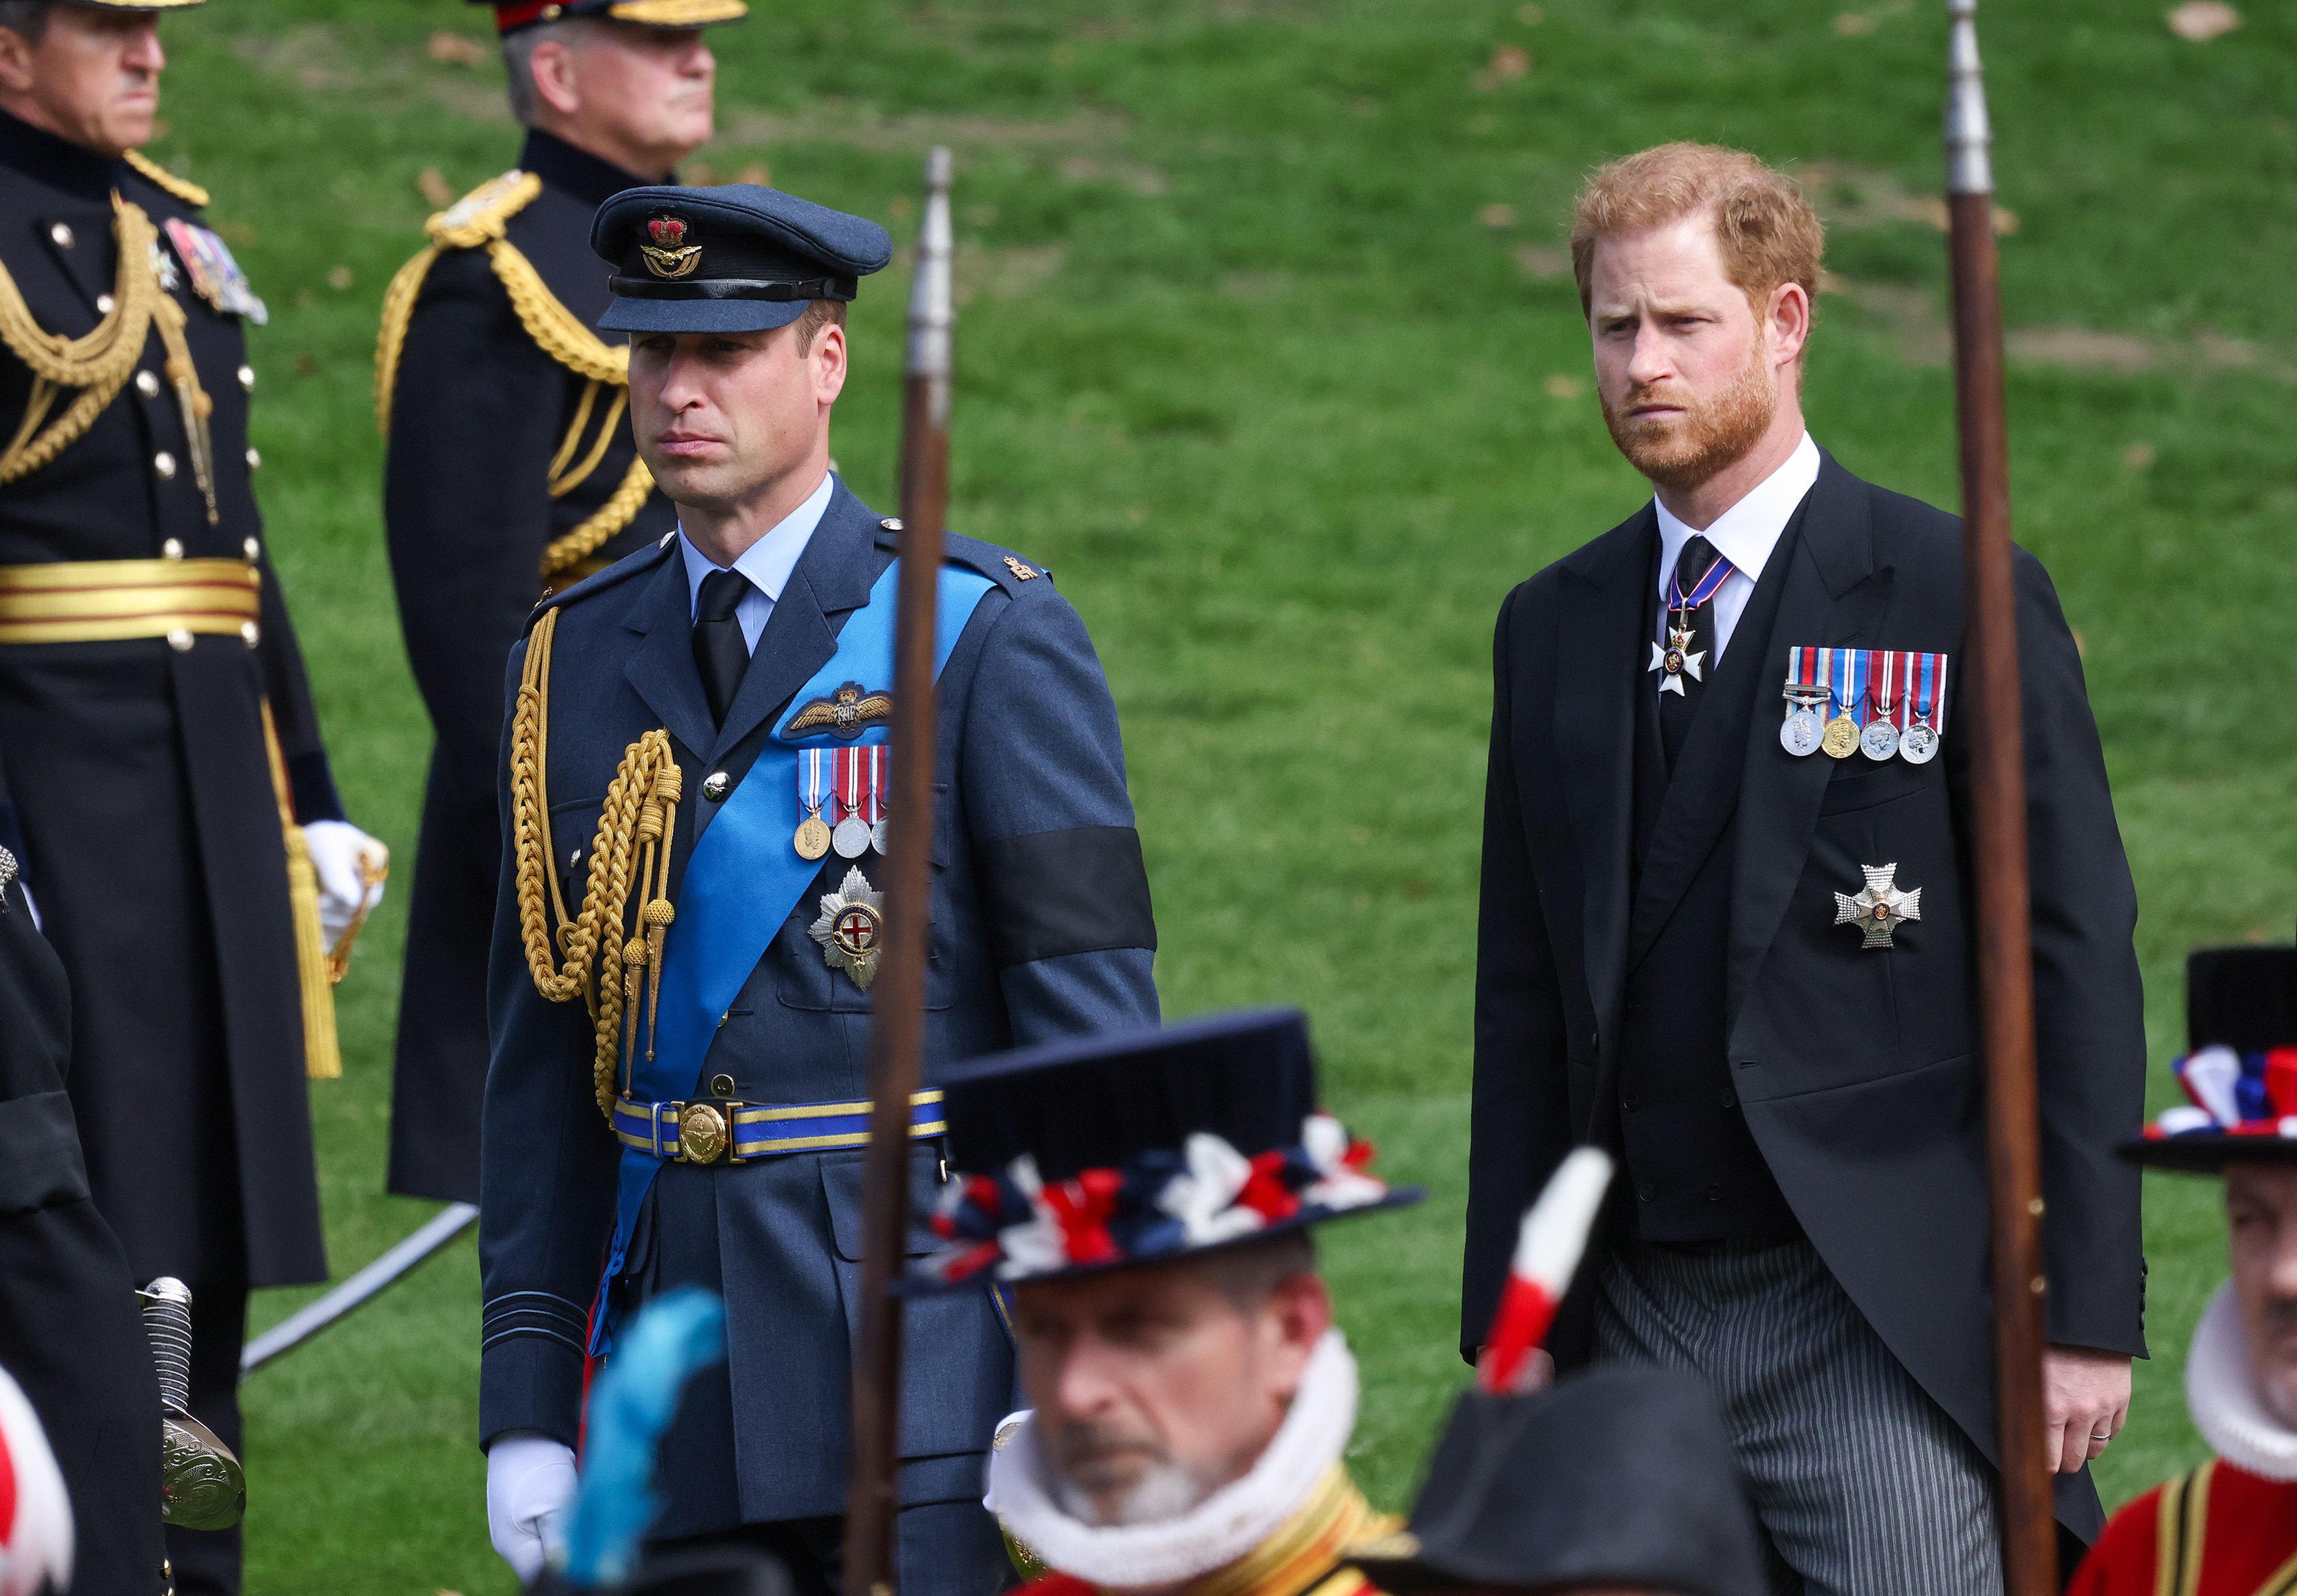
pixel 1268 349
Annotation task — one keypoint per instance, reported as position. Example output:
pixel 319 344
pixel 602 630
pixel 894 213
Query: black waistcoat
pixel 1692 1164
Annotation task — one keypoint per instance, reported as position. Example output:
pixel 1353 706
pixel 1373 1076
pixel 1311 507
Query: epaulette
pixel 629 565
pixel 483 213
pixel 158 177
pixel 1002 567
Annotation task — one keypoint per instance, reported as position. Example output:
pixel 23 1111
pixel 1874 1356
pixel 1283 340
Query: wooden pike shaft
pixel 1997 786
pixel 897 1031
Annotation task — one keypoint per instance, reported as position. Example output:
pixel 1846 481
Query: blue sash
pixel 745 878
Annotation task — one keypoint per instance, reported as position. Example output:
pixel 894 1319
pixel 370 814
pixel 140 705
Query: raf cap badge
pixel 851 927
pixel 1879 908
pixel 844 713
pixel 670 255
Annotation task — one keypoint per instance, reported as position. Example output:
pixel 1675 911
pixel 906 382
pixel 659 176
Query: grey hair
pixel 28 19
pixel 518 59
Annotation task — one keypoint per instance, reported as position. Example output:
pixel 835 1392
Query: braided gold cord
pixel 98 364
pixel 398 310
pixel 618 511
pixel 158 177
pixel 556 329
pixel 476 219
pixel 563 481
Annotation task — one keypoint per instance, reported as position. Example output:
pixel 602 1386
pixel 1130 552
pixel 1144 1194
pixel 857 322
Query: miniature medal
pixel 1926 687
pixel 1841 740
pixel 1880 740
pixel 1879 908
pixel 851 927
pixel 1919 746
pixel 216 276
pixel 1799 732
pixel 851 837
pixel 1678 659
pixel 880 760
pixel 812 838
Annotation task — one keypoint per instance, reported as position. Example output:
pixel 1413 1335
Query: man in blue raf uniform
pixel 511 472
pixel 688 927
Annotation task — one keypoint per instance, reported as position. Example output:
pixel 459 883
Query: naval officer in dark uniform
pixel 174 812
pixel 688 925
pixel 510 472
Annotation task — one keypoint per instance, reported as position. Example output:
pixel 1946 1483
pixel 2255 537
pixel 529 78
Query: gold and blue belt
pixel 722 1131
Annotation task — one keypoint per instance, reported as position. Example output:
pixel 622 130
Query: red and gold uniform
pixel 2219 1531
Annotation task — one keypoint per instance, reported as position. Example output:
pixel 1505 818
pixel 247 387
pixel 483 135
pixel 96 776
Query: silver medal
pixel 877 835
pixel 851 837
pixel 1799 732
pixel 1920 746
pixel 1880 740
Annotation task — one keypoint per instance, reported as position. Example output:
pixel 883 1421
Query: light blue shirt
pixel 767 562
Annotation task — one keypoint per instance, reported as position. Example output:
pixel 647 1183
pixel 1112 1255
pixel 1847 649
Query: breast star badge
pixel 1880 908
pixel 852 928
pixel 1677 659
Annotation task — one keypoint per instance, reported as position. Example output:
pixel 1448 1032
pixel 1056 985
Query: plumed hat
pixel 2239 1071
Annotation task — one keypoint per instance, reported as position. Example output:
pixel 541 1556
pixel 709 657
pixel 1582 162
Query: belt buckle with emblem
pixel 705 1132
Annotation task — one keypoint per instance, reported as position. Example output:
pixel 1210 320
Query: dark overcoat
pixel 1041 927
pixel 478 412
pixel 1857 1070
pixel 143 794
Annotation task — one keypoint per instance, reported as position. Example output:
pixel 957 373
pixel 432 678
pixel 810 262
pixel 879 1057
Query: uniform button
pixel 1645 1192
pixel 252 632
pixel 716 786
pixel 1595 1039
pixel 251 548
pixel 1715 1192
pixel 147 384
pixel 172 549
pixel 180 640
pixel 62 234
pixel 721 1086
pixel 1631 1102
pixel 247 378
pixel 164 463
pixel 1729 1099
pixel 892 524
pixel 104 303
pixel 254 457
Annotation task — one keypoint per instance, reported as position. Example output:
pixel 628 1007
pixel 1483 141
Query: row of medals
pixel 1802 734
pixel 851 837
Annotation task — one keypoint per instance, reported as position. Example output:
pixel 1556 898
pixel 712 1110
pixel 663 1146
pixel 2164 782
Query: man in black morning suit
pixel 1665 965
pixel 511 473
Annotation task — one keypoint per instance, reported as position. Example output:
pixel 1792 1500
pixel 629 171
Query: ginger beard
pixel 1683 452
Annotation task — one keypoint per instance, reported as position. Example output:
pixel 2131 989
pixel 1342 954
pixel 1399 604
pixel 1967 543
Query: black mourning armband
pixel 1083 890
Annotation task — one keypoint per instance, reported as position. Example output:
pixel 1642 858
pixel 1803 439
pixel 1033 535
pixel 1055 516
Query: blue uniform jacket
pixel 1041 927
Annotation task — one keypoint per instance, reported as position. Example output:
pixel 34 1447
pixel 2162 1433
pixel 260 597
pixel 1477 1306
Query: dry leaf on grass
pixel 2137 456
pixel 457 49
pixel 1854 24
pixel 1559 386
pixel 1496 215
pixel 2203 19
pixel 1543 263
pixel 1507 63
pixel 435 188
pixel 757 172
pixel 340 278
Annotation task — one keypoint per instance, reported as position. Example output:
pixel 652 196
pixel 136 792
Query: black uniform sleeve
pixel 465 504
pixel 1519 1120
pixel 310 778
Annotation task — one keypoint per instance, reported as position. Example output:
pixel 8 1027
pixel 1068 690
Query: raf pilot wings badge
pixel 844 713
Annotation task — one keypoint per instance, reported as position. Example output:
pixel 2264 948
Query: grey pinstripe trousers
pixel 1863 1485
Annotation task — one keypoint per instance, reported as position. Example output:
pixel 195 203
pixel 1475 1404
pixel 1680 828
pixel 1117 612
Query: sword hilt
pixel 167 1304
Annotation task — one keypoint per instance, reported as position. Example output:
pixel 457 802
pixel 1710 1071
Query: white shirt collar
pixel 768 561
pixel 1745 533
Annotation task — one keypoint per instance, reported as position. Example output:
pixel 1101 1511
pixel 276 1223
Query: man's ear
pixel 556 82
pixel 15 63
pixel 1790 322
pixel 829 356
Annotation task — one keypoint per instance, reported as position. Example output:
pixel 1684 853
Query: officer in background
pixel 69 1330
pixel 688 927
pixel 510 474
pixel 174 815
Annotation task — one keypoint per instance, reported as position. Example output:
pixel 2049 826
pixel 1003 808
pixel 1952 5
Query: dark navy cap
pixel 1615 1477
pixel 739 259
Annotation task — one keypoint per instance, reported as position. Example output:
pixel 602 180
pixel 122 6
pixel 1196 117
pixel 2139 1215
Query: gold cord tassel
pixel 323 1058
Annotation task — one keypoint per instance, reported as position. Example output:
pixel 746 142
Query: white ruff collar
pixel 1217 1531
pixel 2222 1396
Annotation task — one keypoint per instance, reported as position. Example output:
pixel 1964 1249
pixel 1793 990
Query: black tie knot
pixel 1696 560
pixel 721 595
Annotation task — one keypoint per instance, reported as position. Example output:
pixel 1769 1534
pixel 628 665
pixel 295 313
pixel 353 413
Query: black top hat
pixel 1140 1147
pixel 1619 1476
pixel 740 259
pixel 510 15
pixel 2240 1075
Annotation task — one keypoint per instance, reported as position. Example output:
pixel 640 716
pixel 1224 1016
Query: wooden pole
pixel 897 1031
pixel 1998 789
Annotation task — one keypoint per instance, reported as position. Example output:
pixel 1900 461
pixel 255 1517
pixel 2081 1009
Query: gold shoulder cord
pixel 98 364
pixel 478 221
pixel 640 817
pixel 190 193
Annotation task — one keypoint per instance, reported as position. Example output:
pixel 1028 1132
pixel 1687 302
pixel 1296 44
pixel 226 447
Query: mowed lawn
pixel 1269 349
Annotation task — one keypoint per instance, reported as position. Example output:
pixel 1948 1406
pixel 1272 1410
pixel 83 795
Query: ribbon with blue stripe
pixel 745 878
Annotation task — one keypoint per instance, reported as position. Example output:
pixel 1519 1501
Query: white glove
pixel 530 1482
pixel 336 848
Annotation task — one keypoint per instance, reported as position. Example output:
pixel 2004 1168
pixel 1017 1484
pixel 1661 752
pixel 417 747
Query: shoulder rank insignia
pixel 1024 572
pixel 485 211
pixel 159 177
pixel 844 713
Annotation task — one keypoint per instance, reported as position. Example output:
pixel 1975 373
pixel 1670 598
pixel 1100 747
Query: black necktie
pixel 1676 709
pixel 720 653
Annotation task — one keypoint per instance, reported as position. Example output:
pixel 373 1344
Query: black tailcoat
pixel 69 1330
pixel 479 411
pixel 1856 1070
pixel 143 788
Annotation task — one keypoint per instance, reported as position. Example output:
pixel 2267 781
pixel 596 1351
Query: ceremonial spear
pixel 1998 801
pixel 897 1032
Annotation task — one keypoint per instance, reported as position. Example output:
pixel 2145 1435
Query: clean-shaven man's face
pixel 1154 1387
pixel 1688 373
pixel 93 77
pixel 722 418
pixel 2261 1222
pixel 648 93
